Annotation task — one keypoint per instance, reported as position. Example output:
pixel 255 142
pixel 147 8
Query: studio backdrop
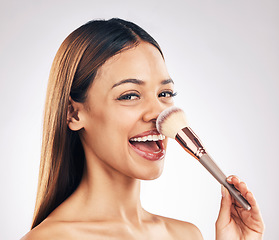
pixel 223 56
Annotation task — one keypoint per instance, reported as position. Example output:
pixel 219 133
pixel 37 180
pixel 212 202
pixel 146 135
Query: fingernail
pixel 229 178
pixel 223 191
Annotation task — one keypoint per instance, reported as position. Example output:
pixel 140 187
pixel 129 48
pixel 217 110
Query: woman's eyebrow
pixel 130 80
pixel 139 82
pixel 167 81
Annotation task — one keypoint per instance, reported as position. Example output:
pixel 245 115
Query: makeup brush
pixel 172 123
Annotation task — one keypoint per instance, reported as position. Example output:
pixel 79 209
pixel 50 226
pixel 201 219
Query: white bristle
pixel 171 121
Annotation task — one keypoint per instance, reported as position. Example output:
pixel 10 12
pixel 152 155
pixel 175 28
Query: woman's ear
pixel 73 115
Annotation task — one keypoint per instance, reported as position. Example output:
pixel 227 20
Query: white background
pixel 223 56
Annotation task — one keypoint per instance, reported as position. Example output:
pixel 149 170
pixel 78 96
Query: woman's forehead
pixel 139 62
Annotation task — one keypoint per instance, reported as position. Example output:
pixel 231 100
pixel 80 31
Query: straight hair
pixel 73 70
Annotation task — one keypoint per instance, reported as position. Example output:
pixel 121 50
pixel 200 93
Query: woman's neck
pixel 105 194
pixel 115 195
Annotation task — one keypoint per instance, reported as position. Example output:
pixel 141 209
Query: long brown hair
pixel 72 72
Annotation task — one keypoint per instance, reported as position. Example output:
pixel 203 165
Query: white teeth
pixel 161 137
pixel 155 138
pixel 148 138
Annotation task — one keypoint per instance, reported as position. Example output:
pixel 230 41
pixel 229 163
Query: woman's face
pixel 127 95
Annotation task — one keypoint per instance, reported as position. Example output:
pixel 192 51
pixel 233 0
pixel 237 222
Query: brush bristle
pixel 171 121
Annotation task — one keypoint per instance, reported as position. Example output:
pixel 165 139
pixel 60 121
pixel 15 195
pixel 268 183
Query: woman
pixel 108 84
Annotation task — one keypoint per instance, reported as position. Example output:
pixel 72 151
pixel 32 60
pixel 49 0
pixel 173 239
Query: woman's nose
pixel 153 110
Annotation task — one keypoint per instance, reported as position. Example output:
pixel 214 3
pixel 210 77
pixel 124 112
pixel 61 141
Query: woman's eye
pixel 130 96
pixel 167 94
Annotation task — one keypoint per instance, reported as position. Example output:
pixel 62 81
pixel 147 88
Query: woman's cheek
pixel 127 115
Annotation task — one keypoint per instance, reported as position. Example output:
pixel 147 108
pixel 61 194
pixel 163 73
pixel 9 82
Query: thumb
pixel 225 209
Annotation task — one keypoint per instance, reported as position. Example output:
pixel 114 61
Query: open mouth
pixel 149 146
pixel 150 143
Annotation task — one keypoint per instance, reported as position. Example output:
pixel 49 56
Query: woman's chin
pixel 150 174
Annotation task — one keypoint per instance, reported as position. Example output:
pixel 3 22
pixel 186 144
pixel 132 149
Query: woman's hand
pixel 234 222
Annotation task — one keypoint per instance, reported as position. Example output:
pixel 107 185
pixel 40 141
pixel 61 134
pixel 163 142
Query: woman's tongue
pixel 148 146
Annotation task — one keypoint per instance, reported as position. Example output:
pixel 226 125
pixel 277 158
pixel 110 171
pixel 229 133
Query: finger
pixel 256 213
pixel 254 206
pixel 224 216
pixel 240 186
pixel 233 180
pixel 250 197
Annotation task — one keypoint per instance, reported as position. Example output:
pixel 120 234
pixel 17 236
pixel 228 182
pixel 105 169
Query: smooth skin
pixel 106 205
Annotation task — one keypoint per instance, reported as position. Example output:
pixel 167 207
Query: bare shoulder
pixel 182 230
pixel 45 231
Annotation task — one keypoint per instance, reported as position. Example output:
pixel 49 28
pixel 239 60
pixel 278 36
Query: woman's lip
pixel 146 133
pixel 151 156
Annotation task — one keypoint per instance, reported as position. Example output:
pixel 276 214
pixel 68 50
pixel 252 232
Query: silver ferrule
pixel 190 142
